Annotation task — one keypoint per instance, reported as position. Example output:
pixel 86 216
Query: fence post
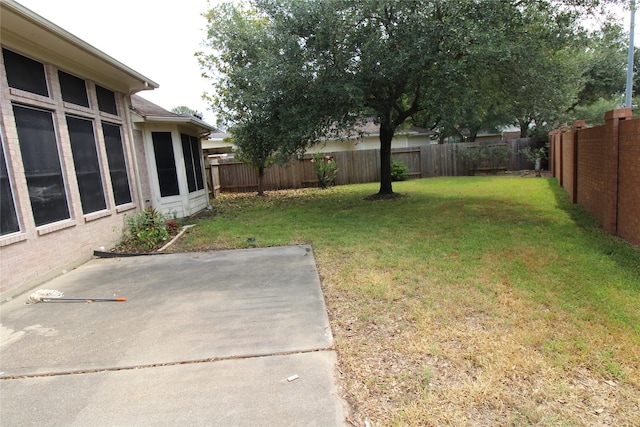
pixel 612 120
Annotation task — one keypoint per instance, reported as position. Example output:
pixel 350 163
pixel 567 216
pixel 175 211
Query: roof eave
pixel 134 81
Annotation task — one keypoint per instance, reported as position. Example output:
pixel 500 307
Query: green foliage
pixel 499 156
pixel 183 109
pixel 605 65
pixel 535 156
pixel 144 231
pixel 399 171
pixel 490 156
pixel 294 71
pixel 326 169
pixel 471 157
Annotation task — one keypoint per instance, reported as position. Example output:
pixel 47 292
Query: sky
pixel 157 39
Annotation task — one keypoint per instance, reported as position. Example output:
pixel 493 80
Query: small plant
pixel 144 231
pixel 173 226
pixel 499 156
pixel 535 156
pixel 326 169
pixel 399 171
pixel 472 157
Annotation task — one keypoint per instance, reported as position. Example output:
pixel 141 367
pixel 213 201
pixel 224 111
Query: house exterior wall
pixel 36 253
pixel 185 203
pixel 370 142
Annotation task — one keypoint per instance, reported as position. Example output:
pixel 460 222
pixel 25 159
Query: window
pixel 106 100
pixel 24 73
pixel 8 218
pixel 41 162
pixel 117 163
pixel 165 163
pixel 192 162
pixel 85 158
pixel 74 89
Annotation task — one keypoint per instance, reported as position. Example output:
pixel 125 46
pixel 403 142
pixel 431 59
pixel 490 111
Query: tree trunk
pixel 386 135
pixel 260 179
pixel 524 128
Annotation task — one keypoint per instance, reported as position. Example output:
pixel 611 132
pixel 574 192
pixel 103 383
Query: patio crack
pixel 162 364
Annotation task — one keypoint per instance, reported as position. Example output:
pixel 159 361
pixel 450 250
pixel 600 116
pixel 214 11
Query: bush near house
pixel 146 230
pixel 399 171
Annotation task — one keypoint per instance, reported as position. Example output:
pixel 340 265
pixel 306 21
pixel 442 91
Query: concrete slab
pixel 208 316
pixel 244 392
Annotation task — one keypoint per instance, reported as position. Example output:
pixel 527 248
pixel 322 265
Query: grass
pixel 471 301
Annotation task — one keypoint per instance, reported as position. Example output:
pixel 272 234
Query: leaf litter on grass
pixel 472 301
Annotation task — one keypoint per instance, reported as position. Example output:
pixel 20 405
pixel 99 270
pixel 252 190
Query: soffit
pixel 31 35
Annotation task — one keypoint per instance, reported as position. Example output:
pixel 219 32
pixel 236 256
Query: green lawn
pixel 471 301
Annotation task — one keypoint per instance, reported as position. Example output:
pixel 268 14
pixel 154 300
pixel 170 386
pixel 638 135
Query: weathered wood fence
pixel 229 175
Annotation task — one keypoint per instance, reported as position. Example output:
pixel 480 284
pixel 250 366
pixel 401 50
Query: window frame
pixel 195 181
pixel 117 163
pixel 85 153
pixel 15 76
pixel 104 105
pixel 6 183
pixel 41 210
pixel 166 168
pixel 71 78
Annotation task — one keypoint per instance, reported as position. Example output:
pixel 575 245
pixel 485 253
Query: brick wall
pixel 35 254
pixel 629 181
pixel 600 168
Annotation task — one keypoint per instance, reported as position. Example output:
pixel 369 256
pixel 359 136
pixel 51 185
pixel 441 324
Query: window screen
pixel 192 164
pixel 41 162
pixel 8 218
pixel 24 73
pixel 106 100
pixel 165 163
pixel 74 89
pixel 117 163
pixel 85 158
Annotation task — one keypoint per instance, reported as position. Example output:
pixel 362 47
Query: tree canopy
pixel 300 70
pixel 183 109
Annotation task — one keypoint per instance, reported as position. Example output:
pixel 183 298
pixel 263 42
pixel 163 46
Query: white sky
pixel 158 39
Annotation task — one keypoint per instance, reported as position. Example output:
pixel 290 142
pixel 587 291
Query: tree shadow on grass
pixel 618 250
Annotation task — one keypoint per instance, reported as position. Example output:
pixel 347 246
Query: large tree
pixel 333 60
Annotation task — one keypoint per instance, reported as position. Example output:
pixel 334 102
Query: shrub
pixel 399 171
pixel 144 231
pixel 326 169
pixel 173 226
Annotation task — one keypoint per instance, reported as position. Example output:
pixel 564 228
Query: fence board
pixel 361 166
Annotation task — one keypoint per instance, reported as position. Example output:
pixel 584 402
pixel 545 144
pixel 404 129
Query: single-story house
pixel 75 157
pixel 367 137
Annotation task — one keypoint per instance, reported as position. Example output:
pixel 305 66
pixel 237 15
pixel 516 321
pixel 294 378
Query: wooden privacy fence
pixel 355 167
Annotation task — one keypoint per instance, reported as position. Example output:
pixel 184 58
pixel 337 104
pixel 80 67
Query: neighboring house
pixel 218 143
pixel 367 138
pixel 74 159
pixel 171 146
